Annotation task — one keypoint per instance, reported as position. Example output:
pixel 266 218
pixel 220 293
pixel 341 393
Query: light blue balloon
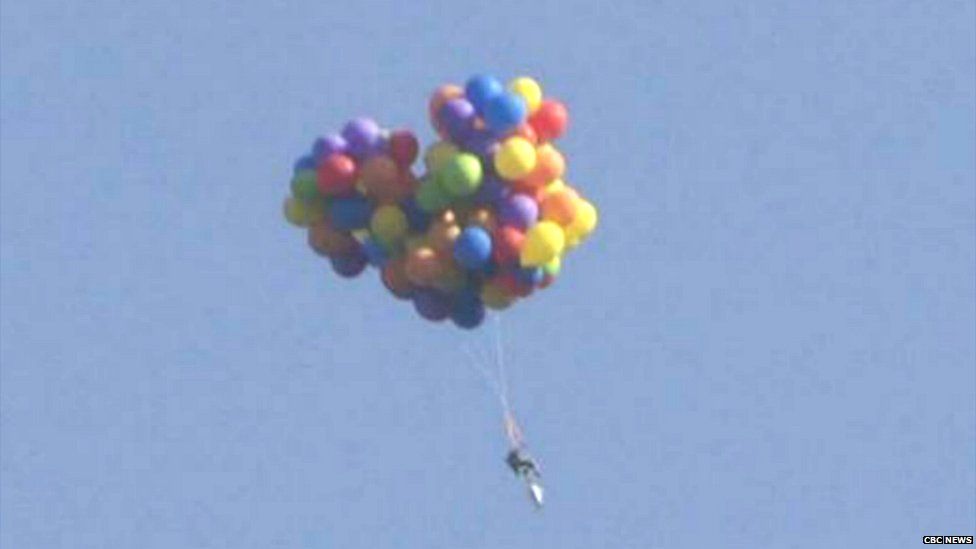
pixel 480 89
pixel 472 249
pixel 504 112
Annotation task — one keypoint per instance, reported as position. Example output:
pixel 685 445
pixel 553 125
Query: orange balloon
pixel 329 241
pixel 560 206
pixel 549 165
pixel 482 217
pixel 447 216
pixel 423 266
pixel 443 232
pixel 380 177
pixel 414 242
pixel 378 169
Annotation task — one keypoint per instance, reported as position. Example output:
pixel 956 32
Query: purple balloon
pixel 482 144
pixel 432 304
pixel 491 191
pixel 363 136
pixel 457 117
pixel 325 147
pixel 349 265
pixel 518 210
pixel 380 147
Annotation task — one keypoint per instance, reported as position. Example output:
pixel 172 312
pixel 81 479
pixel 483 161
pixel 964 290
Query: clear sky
pixel 769 342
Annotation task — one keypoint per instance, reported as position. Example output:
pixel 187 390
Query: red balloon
pixel 527 186
pixel 336 175
pixel 507 244
pixel 510 283
pixel 409 182
pixel 550 120
pixel 394 276
pixel 404 148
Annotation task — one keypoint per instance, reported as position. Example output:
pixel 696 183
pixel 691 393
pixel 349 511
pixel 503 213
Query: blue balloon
pixel 480 89
pixel 504 112
pixel 530 276
pixel 375 253
pixel 472 249
pixel 417 219
pixel 350 213
pixel 431 304
pixel 306 162
pixel 468 311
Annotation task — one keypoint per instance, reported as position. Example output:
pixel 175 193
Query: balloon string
pixel 512 429
pixel 500 361
pixel 479 366
pixel 497 383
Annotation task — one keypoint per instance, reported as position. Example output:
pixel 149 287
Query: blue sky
pixel 769 342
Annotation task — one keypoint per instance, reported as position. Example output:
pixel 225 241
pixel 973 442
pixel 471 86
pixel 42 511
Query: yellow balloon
pixel 495 297
pixel 544 242
pixel 451 279
pixel 389 224
pixel 303 213
pixel 438 154
pixel 529 90
pixel 515 158
pixel 583 223
pixel 554 186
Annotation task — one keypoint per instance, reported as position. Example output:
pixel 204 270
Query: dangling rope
pixel 512 430
pixel 517 458
pixel 500 364
pixel 497 382
pixel 481 368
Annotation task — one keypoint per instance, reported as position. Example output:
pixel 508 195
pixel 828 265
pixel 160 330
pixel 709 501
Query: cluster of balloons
pixel 488 222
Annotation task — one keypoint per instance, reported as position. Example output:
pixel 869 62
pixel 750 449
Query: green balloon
pixel 431 198
pixel 461 175
pixel 553 267
pixel 304 185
